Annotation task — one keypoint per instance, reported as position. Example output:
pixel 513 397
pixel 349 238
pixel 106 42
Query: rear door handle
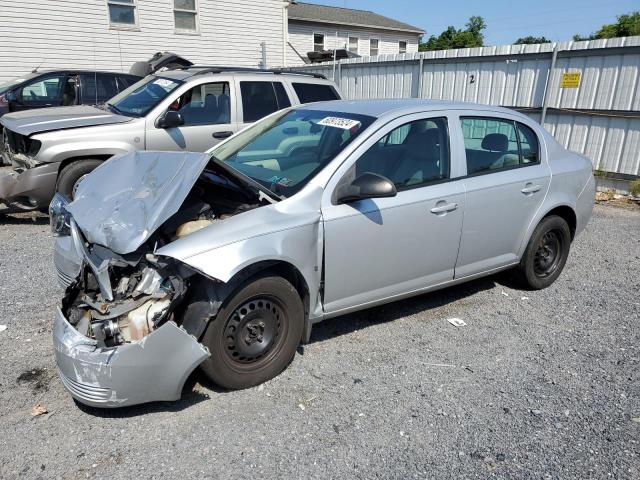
pixel 442 209
pixel 221 135
pixel 530 188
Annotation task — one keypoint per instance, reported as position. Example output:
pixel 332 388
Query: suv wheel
pixel 255 335
pixel 72 175
pixel 546 253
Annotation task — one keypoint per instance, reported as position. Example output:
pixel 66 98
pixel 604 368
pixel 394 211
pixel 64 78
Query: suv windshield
pixel 285 151
pixel 16 81
pixel 141 97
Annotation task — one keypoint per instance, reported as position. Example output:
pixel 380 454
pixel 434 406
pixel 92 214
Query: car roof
pixel 202 71
pixel 81 70
pixel 400 106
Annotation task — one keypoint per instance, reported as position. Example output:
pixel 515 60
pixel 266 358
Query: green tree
pixel 626 26
pixel 470 37
pixel 531 40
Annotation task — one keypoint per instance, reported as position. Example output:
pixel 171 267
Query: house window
pixel 122 12
pixel 373 46
pixel 353 44
pixel 402 47
pixel 185 15
pixel 318 42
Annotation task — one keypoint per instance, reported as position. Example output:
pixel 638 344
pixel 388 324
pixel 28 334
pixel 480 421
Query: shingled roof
pixel 309 12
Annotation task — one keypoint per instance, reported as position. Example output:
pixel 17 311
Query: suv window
pixel 414 154
pixel 47 91
pixel 97 87
pixel 313 92
pixel 206 104
pixel 259 99
pixel 125 82
pixel 493 144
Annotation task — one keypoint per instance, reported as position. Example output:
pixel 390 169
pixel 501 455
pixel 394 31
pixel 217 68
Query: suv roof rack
pixel 205 69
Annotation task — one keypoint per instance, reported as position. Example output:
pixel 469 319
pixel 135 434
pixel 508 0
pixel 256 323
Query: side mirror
pixel 367 185
pixel 170 119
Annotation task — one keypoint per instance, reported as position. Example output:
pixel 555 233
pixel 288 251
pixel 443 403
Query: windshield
pixel 16 81
pixel 141 97
pixel 284 152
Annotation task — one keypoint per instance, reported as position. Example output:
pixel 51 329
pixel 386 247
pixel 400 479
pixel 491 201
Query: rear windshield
pixel 141 97
pixel 313 92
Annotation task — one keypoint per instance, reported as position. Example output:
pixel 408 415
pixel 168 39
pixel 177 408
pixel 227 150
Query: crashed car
pixel 225 260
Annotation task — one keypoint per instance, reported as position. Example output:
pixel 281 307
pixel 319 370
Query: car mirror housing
pixel 170 119
pixel 367 185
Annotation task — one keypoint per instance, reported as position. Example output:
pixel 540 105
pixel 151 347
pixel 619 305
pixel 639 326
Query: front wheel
pixel 71 176
pixel 255 335
pixel 546 253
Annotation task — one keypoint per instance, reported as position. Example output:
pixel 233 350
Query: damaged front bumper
pixel 152 369
pixel 30 188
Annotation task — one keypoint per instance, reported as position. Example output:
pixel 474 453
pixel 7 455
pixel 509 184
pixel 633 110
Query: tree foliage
pixel 626 26
pixel 471 36
pixel 528 40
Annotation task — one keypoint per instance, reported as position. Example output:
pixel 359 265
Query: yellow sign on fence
pixel 570 80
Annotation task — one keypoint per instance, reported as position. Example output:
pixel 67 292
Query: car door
pixel 208 112
pixel 382 248
pixel 507 180
pixel 51 90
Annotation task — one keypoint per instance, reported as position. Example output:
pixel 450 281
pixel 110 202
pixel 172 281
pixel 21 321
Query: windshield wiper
pixel 263 192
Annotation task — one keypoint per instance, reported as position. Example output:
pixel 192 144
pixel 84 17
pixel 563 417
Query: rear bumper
pixel 153 369
pixel 584 204
pixel 33 187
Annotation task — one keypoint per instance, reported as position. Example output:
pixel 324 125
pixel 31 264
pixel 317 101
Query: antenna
pixel 35 70
pixel 95 72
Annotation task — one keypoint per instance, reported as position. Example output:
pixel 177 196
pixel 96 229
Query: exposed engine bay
pixel 122 298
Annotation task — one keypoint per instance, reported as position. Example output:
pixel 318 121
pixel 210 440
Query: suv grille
pixel 16 143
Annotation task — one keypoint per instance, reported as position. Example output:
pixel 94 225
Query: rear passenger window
pixel 313 92
pixel 259 99
pixel 97 88
pixel 528 144
pixel 490 144
pixel 411 155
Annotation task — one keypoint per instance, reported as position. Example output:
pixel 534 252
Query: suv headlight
pixel 59 217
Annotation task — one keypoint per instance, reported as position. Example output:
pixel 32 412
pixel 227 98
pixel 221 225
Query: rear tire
pixel 70 176
pixel 546 254
pixel 255 334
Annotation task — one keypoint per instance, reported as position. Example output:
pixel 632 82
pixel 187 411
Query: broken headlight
pixel 59 217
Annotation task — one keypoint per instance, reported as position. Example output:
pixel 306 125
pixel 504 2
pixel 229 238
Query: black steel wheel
pixel 546 253
pixel 255 334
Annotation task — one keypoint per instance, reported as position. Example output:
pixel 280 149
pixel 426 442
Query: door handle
pixel 530 188
pixel 221 135
pixel 448 207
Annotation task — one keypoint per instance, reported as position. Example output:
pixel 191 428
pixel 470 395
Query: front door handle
pixel 221 135
pixel 530 188
pixel 441 209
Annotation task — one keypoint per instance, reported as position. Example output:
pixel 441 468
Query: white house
pixel 113 34
pixel 318 27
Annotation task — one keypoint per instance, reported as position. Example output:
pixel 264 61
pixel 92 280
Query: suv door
pixel 208 112
pixel 47 91
pixel 97 88
pixel 506 183
pixel 381 248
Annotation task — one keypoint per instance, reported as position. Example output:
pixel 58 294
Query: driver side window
pixel 206 104
pixel 46 91
pixel 412 155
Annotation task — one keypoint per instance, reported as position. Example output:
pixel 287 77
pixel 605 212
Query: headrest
pixel 496 142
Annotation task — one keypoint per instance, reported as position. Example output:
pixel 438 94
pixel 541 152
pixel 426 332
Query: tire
pixel 72 173
pixel 255 334
pixel 546 253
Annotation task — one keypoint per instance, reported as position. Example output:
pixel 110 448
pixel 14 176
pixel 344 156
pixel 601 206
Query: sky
pixel 507 20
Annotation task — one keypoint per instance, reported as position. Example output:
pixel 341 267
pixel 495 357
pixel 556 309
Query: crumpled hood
pixel 123 201
pixel 41 120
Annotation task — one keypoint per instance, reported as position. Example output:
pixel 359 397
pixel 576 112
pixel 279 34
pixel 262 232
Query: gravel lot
pixel 537 385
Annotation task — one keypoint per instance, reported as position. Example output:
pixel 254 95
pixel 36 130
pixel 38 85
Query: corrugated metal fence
pixel 596 113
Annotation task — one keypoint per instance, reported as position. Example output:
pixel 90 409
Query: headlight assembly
pixel 59 217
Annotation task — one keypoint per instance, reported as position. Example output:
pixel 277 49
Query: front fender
pixel 59 153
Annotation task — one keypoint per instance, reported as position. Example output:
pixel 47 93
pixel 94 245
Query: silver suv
pixel 190 109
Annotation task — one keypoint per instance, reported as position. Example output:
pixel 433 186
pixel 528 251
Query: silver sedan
pixel 225 260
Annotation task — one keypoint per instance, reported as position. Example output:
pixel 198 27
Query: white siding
pixel 77 34
pixel 301 38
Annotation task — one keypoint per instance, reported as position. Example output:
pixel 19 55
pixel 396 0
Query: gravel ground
pixel 537 385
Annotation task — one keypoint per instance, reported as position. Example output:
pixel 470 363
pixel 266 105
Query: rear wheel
pixel 546 253
pixel 255 335
pixel 71 176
